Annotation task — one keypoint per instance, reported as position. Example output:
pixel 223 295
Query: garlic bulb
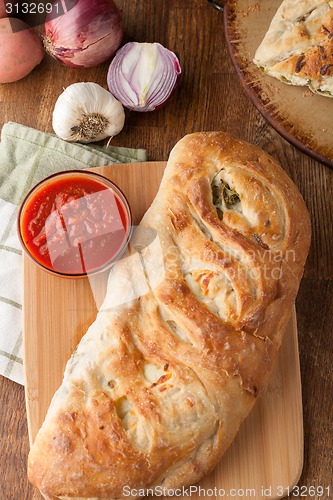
pixel 85 112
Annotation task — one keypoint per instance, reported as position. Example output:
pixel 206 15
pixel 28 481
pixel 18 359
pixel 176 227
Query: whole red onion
pixel 86 35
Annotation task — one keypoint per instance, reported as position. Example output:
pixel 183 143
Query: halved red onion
pixel 86 35
pixel 143 76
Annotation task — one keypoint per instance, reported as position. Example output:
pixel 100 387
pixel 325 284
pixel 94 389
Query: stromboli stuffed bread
pixel 187 335
pixel 298 46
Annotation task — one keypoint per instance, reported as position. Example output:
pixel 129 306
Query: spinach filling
pixel 224 197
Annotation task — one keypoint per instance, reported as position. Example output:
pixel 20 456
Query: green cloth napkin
pixel 26 157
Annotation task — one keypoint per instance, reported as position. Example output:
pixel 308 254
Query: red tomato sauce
pixel 74 225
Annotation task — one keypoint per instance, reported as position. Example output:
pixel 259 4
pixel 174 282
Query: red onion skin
pixel 85 36
pixel 114 88
pixel 178 83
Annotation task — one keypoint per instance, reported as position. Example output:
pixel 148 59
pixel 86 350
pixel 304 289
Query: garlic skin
pixel 85 112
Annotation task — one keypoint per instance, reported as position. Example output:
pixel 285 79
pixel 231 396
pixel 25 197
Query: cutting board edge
pixel 300 453
pixel 27 397
pixel 299 471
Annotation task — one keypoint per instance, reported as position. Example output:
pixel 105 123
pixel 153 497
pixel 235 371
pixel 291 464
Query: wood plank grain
pixel 268 452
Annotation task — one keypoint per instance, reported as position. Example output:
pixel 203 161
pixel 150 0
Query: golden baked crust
pixel 298 47
pixel 188 332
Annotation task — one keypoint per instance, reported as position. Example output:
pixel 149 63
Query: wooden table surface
pixel 209 98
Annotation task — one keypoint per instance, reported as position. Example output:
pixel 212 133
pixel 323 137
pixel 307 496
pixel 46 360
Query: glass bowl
pixel 75 223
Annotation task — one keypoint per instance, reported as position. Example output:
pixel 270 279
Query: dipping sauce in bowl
pixel 75 223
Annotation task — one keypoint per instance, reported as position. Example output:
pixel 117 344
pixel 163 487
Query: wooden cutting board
pixel 268 451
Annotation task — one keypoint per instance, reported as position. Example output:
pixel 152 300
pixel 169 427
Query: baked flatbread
pixel 298 46
pixel 186 338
